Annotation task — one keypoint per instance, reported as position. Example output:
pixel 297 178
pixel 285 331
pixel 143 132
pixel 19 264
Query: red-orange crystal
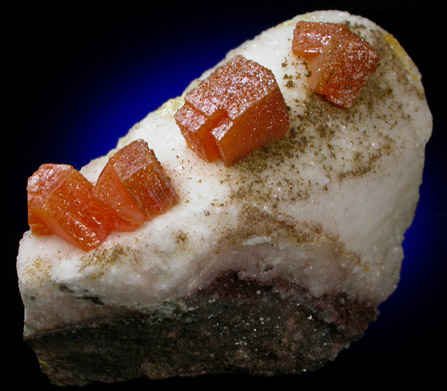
pixel 233 112
pixel 311 38
pixel 132 188
pixel 61 201
pixel 145 180
pixel 340 62
pixel 110 190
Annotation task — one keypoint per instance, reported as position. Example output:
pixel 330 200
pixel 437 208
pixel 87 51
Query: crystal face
pixel 233 112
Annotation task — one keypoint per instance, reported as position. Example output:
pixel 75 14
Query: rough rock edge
pixel 232 326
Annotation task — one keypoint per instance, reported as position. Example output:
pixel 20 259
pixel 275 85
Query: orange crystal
pixel 311 38
pixel 233 112
pixel 110 190
pixel 340 62
pixel 131 188
pixel 61 201
pixel 144 180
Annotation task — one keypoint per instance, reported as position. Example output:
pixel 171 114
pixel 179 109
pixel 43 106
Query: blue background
pixel 77 78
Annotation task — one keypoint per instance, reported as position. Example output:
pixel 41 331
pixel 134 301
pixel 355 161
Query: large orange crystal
pixel 61 201
pixel 233 112
pixel 340 62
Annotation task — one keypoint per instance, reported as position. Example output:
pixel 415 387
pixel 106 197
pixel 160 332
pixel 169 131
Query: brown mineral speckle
pixel 101 260
pixel 181 237
pixel 38 270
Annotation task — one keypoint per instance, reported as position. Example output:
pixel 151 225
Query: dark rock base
pixel 232 326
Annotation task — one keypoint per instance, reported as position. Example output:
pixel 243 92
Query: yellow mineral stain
pixel 405 60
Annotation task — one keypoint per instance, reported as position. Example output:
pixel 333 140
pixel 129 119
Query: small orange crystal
pixel 311 38
pixel 144 179
pixel 340 62
pixel 110 190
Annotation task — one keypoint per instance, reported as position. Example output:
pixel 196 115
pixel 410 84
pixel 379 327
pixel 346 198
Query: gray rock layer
pixel 233 326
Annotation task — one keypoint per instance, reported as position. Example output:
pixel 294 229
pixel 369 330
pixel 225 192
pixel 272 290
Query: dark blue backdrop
pixel 77 78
